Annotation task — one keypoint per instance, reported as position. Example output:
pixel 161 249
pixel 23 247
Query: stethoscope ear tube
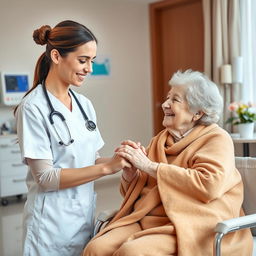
pixel 54 112
pixel 90 125
pixel 61 142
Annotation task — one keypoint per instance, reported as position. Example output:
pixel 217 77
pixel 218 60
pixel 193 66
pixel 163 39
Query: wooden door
pixel 177 43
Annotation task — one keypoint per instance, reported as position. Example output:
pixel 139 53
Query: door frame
pixel 156 60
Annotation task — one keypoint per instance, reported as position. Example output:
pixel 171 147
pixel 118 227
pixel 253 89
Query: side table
pixel 237 140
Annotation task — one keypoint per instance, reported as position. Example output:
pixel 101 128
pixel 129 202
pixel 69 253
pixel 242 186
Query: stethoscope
pixel 90 125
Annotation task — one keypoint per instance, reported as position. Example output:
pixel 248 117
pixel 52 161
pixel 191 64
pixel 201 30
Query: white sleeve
pixel 32 132
pixel 45 174
pixel 97 155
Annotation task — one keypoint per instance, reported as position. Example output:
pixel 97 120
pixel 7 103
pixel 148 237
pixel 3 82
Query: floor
pixel 11 215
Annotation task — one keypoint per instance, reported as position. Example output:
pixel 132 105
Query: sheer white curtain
pixel 248 50
pixel 222 43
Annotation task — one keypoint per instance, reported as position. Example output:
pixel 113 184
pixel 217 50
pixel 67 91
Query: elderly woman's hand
pixel 134 145
pixel 138 159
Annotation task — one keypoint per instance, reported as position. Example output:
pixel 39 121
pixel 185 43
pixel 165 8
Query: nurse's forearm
pixel 71 177
pixel 102 160
pixel 53 179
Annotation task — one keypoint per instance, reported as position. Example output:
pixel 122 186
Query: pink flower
pixel 233 106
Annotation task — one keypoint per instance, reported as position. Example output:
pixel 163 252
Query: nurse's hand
pixel 129 173
pixel 138 159
pixel 115 164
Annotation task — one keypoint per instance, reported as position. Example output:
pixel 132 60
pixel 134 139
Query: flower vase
pixel 246 130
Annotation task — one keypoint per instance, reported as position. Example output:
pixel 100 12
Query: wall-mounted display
pixel 13 87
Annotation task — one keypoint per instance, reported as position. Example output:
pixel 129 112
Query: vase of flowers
pixel 244 116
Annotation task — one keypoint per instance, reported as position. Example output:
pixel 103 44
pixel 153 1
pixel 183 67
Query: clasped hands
pixel 136 155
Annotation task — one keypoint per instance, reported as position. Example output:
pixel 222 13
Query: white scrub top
pixel 57 223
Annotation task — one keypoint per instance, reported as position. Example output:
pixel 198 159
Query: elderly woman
pixel 187 182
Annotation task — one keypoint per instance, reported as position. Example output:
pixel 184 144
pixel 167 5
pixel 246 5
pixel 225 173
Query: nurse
pixel 59 142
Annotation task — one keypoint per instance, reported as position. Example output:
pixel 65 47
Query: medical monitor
pixel 13 87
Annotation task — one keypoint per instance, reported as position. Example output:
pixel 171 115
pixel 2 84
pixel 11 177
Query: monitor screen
pixel 16 83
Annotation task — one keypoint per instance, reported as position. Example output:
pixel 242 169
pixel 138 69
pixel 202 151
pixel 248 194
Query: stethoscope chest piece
pixel 90 125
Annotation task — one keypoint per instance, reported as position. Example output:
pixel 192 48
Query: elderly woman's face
pixel 177 116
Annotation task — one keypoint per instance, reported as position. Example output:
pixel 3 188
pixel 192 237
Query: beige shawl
pixel 197 185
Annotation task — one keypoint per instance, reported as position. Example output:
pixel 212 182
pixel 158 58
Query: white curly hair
pixel 201 93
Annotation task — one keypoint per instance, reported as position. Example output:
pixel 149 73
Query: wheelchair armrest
pixel 103 218
pixel 231 225
pixel 234 224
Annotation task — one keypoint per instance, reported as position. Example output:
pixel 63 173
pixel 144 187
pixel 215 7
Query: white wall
pixel 122 101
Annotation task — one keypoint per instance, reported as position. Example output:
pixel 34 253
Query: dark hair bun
pixel 40 35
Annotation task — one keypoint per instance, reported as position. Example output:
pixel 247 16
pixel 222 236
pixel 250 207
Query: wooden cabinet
pixel 12 171
pixel 11 231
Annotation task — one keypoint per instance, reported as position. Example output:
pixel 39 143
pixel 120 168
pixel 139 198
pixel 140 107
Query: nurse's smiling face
pixel 73 68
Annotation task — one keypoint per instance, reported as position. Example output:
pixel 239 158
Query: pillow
pixel 247 168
